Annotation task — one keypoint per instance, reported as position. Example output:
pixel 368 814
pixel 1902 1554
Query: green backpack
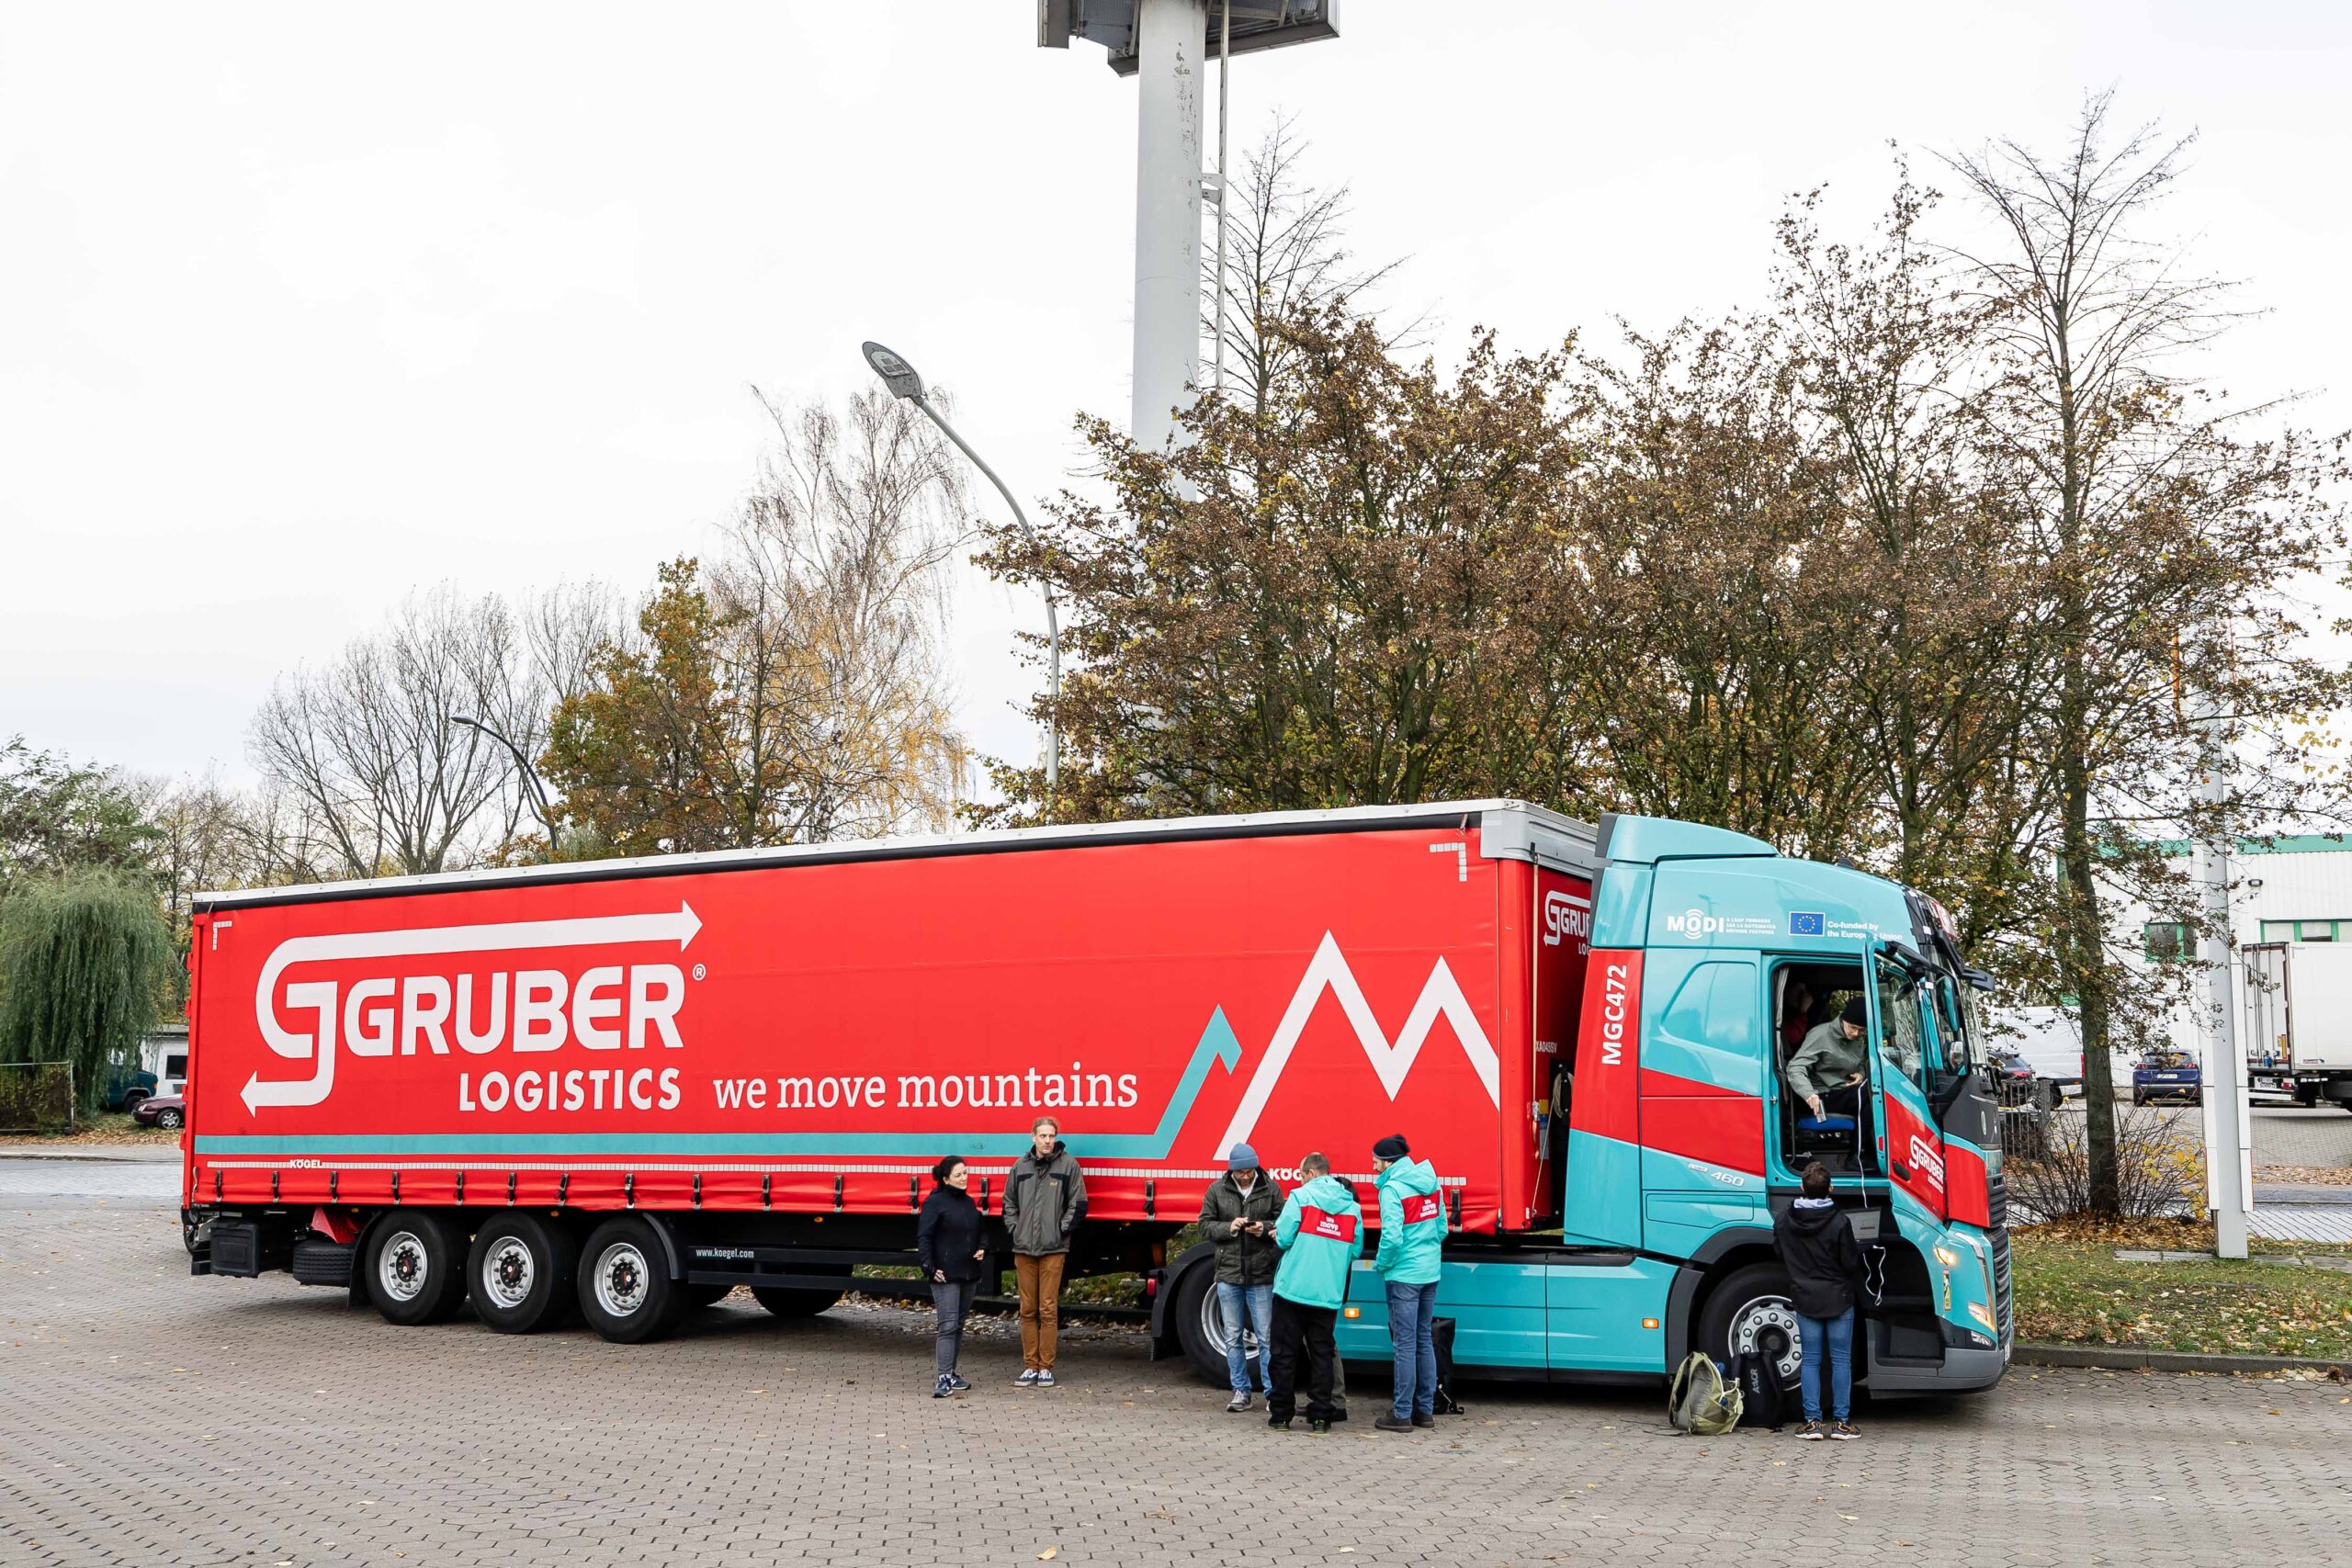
pixel 1699 1402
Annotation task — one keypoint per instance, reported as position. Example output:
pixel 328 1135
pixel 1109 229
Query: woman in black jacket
pixel 1824 1265
pixel 947 1241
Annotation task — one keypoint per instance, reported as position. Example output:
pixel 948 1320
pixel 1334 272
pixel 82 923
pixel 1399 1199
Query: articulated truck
pixel 623 1089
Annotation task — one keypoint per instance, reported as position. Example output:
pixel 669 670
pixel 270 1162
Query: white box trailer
pixel 2296 1020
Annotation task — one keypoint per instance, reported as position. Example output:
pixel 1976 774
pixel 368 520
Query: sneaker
pixel 1240 1403
pixel 1809 1432
pixel 1388 1422
pixel 1045 1380
pixel 1279 1422
pixel 1028 1379
pixel 943 1388
pixel 957 1384
pixel 1426 1423
pixel 1319 1426
pixel 1843 1432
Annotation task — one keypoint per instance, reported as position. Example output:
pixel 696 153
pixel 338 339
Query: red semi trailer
pixel 649 1081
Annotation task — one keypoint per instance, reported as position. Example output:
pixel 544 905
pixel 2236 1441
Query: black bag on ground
pixel 1442 1335
pixel 1762 1397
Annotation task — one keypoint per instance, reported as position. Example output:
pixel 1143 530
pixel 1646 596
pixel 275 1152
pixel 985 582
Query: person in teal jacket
pixel 1412 1241
pixel 1320 1231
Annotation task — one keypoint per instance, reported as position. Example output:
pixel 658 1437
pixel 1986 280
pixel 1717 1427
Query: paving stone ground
pixel 150 1419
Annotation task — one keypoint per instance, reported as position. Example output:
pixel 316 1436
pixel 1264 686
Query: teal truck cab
pixel 1674 1135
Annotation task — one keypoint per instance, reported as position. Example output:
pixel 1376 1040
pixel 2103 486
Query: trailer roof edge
pixel 1509 829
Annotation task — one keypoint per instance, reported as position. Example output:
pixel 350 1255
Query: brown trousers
pixel 1041 1293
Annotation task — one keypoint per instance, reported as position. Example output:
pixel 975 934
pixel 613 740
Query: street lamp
pixel 536 790
pixel 901 378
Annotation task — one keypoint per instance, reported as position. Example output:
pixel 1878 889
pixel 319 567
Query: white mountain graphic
pixel 1440 997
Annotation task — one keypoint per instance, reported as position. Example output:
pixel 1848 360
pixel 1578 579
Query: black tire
pixel 2138 1098
pixel 416 1266
pixel 2307 1098
pixel 191 1230
pixel 522 1273
pixel 1199 1324
pixel 133 1098
pixel 626 1291
pixel 170 1118
pixel 1749 1309
pixel 794 1304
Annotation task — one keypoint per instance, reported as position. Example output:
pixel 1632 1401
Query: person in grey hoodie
pixel 1238 1213
pixel 1045 1198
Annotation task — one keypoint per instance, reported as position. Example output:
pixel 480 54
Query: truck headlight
pixel 1983 1314
pixel 1946 1256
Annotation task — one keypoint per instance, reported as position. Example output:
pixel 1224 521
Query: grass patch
pixel 2071 1290
pixel 100 1127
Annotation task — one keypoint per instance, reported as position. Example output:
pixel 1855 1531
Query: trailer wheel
pixel 416 1268
pixel 626 1291
pixel 1201 1327
pixel 1750 1310
pixel 521 1273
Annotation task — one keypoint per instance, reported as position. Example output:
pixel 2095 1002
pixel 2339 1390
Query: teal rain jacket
pixel 1412 1225
pixel 1320 1231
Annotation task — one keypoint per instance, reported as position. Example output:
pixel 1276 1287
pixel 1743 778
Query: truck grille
pixel 1997 1206
pixel 2001 1304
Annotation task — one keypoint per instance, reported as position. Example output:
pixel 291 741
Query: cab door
pixel 1910 1145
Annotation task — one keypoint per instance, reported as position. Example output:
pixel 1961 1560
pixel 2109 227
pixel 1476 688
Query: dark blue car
pixel 2166 1075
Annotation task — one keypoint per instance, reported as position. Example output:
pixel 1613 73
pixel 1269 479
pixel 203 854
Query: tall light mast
pixel 1166 45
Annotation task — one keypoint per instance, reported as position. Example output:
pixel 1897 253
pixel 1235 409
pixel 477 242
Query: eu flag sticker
pixel 1806 922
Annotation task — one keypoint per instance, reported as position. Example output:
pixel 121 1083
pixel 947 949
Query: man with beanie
pixel 1238 1215
pixel 1320 1231
pixel 1045 1198
pixel 1824 1265
pixel 1826 1071
pixel 1412 1240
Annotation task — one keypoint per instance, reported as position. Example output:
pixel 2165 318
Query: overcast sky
pixel 301 307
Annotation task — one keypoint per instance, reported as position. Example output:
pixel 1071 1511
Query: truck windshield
pixel 1958 1027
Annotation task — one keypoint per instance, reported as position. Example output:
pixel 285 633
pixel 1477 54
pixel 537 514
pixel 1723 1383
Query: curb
pixel 2141 1359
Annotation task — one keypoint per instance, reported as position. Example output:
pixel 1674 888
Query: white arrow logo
pixel 592 931
pixel 1440 997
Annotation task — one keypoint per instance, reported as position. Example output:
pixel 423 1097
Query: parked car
pixel 2014 1079
pixel 125 1087
pixel 166 1111
pixel 2166 1075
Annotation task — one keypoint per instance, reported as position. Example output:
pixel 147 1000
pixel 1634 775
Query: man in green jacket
pixel 1320 1231
pixel 1412 1239
pixel 1045 1198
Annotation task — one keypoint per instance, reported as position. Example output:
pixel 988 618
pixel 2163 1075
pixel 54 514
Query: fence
pixel 36 1097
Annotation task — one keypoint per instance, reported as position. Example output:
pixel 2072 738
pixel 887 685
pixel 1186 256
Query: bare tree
pixel 2155 542
pixel 795 687
pixel 1286 260
pixel 368 747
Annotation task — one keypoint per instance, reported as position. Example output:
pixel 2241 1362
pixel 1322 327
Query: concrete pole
pixel 1171 38
pixel 2226 1158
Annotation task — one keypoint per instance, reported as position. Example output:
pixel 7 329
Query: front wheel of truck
pixel 1201 1327
pixel 1750 1310
pixel 416 1268
pixel 626 1291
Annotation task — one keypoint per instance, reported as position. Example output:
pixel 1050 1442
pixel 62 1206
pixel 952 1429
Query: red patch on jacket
pixel 1330 1226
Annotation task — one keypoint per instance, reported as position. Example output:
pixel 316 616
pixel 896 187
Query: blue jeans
pixel 1250 1306
pixel 1834 1335
pixel 1412 1323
